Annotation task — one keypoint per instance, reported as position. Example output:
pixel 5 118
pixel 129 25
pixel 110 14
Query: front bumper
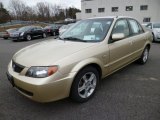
pixel 157 37
pixel 17 38
pixel 47 89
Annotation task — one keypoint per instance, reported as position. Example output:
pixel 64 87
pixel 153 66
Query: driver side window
pixel 121 27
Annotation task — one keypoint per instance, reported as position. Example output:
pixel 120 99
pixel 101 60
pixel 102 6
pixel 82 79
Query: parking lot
pixel 132 93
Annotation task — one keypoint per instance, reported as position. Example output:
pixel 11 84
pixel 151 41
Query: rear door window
pixel 135 28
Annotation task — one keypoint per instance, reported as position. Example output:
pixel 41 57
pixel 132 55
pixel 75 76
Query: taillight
pixel 7 33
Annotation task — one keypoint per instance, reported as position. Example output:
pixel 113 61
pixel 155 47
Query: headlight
pixel 41 72
pixel 22 34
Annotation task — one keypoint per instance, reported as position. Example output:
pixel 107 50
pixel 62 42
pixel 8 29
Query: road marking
pixel 146 79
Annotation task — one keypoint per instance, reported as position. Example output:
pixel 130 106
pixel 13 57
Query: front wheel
pixel 28 37
pixel 144 57
pixel 84 84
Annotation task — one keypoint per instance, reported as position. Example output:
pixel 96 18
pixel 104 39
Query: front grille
pixel 17 67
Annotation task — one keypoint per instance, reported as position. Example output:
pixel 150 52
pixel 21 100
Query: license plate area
pixel 10 79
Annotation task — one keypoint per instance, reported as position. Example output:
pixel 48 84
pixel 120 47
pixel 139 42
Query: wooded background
pixel 42 11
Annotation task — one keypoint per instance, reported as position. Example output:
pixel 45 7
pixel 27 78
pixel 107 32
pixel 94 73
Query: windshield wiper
pixel 74 39
pixel 59 38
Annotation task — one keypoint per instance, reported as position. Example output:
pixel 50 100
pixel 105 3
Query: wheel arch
pixel 96 63
pixel 148 45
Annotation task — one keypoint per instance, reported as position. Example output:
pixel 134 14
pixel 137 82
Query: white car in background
pixel 155 29
pixel 64 28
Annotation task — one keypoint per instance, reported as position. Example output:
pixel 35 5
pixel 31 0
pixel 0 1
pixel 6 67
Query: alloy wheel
pixel 44 35
pixel 87 85
pixel 145 55
pixel 29 37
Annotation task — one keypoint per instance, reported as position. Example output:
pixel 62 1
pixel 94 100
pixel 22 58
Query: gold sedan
pixel 73 64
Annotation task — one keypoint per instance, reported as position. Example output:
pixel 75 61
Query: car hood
pixel 48 52
pixel 16 32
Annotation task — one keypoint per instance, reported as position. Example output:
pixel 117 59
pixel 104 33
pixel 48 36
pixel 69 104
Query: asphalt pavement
pixel 132 93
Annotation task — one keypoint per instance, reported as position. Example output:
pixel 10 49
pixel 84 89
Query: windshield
pixel 23 29
pixel 88 30
pixel 156 25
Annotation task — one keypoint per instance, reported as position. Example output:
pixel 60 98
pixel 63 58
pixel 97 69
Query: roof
pixel 111 17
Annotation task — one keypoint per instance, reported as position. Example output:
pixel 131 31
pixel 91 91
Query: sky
pixel 64 3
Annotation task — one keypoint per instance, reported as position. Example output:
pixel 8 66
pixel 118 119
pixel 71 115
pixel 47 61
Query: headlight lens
pixel 41 72
pixel 22 34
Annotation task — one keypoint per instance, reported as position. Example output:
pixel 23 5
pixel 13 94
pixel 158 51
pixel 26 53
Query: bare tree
pixel 17 7
pixel 43 11
pixel 4 14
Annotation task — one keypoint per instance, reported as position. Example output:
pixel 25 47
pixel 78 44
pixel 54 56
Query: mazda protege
pixel 73 64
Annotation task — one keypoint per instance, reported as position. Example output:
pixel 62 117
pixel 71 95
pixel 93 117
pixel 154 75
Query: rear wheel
pixel 5 38
pixel 153 38
pixel 54 33
pixel 85 84
pixel 28 37
pixel 144 57
pixel 44 35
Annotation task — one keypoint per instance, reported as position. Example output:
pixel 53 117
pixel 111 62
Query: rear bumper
pixel 4 36
pixel 157 39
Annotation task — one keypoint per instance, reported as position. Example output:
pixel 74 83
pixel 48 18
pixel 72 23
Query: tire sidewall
pixel 141 61
pixel 54 33
pixel 74 89
pixel 153 37
pixel 44 35
pixel 5 38
pixel 27 37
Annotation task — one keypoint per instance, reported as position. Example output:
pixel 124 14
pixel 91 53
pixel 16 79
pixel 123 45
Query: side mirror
pixel 118 36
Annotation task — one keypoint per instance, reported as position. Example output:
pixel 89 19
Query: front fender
pixel 86 62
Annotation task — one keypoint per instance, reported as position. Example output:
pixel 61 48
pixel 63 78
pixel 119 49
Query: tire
pixel 153 37
pixel 5 38
pixel 28 37
pixel 144 57
pixel 44 35
pixel 84 84
pixel 54 33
